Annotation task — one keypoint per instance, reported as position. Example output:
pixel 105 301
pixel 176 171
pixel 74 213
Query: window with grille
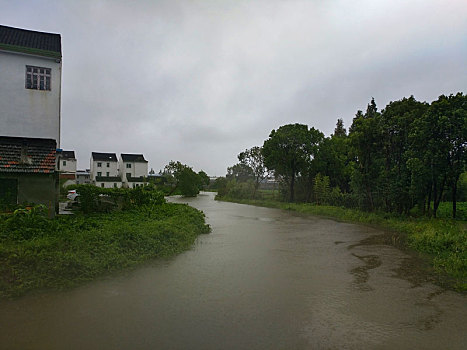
pixel 38 78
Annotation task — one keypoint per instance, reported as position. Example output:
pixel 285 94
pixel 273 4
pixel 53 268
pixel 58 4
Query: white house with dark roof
pixel 133 170
pixel 67 167
pixel 104 170
pixel 30 83
pixel 30 90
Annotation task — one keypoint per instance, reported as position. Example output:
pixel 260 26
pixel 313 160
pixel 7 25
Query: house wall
pixel 112 169
pixel 26 112
pixel 108 184
pixel 137 169
pixel 82 179
pixel 37 189
pixel 70 166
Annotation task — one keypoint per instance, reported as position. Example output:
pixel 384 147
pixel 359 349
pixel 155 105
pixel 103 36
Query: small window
pixel 64 162
pixel 128 175
pixel 99 164
pixel 128 166
pixel 115 185
pixel 108 165
pixel 107 174
pixel 99 173
pixel 102 184
pixel 38 78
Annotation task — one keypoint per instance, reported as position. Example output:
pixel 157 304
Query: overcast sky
pixel 201 81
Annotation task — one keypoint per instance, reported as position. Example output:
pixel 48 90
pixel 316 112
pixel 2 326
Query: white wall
pixel 26 112
pixel 108 184
pixel 137 169
pixel 112 169
pixel 70 166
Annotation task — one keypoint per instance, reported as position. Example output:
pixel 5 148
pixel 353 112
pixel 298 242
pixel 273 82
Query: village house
pixel 104 170
pixel 83 177
pixel 67 167
pixel 30 90
pixel 133 170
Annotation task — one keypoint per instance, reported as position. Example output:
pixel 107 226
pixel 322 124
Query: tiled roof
pixel 108 179
pixel 67 155
pixel 105 157
pixel 29 41
pixel 139 158
pixel 27 155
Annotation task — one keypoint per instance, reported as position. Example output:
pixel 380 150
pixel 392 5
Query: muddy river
pixel 263 279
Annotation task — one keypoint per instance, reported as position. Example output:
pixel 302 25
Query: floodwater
pixel 263 279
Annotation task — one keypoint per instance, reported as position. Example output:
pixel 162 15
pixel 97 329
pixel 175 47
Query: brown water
pixel 263 279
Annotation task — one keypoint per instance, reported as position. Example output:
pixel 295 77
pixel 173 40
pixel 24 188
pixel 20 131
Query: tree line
pixel 409 155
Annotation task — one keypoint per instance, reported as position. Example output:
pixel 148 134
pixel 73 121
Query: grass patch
pixel 72 249
pixel 443 240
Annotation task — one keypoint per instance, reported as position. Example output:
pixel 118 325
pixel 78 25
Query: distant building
pixel 27 172
pixel 67 167
pixel 30 83
pixel 133 169
pixel 83 177
pixel 104 170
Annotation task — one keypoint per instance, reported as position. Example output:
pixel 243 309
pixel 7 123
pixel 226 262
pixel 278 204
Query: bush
pixel 94 199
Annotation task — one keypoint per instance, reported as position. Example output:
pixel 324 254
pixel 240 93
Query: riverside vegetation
pixel 113 229
pixel 403 169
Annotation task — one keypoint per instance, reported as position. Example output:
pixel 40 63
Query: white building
pixel 104 170
pixel 83 177
pixel 133 170
pixel 30 83
pixel 67 167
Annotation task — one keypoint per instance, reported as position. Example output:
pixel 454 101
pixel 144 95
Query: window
pixel 38 78
pixel 99 164
pixel 107 174
pixel 99 173
pixel 102 184
pixel 115 185
pixel 128 175
pixel 108 165
pixel 64 163
pixel 128 166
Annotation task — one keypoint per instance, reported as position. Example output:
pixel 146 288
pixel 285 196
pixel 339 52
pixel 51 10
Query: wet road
pixel 263 279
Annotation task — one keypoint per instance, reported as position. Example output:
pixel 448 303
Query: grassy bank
pixel 443 240
pixel 38 253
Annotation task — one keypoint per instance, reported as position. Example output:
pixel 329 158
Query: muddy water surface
pixel 263 279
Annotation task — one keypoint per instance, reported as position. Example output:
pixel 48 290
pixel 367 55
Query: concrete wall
pixel 25 112
pixel 37 189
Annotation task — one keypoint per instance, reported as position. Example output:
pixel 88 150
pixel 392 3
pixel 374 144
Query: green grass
pixel 72 249
pixel 443 240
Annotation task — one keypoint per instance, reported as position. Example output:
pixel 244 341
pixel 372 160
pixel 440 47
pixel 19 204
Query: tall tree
pixel 254 159
pixel 397 121
pixel 442 138
pixel 365 139
pixel 288 151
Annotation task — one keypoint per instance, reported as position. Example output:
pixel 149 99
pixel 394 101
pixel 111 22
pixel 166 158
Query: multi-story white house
pixel 30 89
pixel 104 170
pixel 67 167
pixel 30 83
pixel 133 169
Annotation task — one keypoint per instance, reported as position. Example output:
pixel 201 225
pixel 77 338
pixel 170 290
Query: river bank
pixel 40 254
pixel 442 241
